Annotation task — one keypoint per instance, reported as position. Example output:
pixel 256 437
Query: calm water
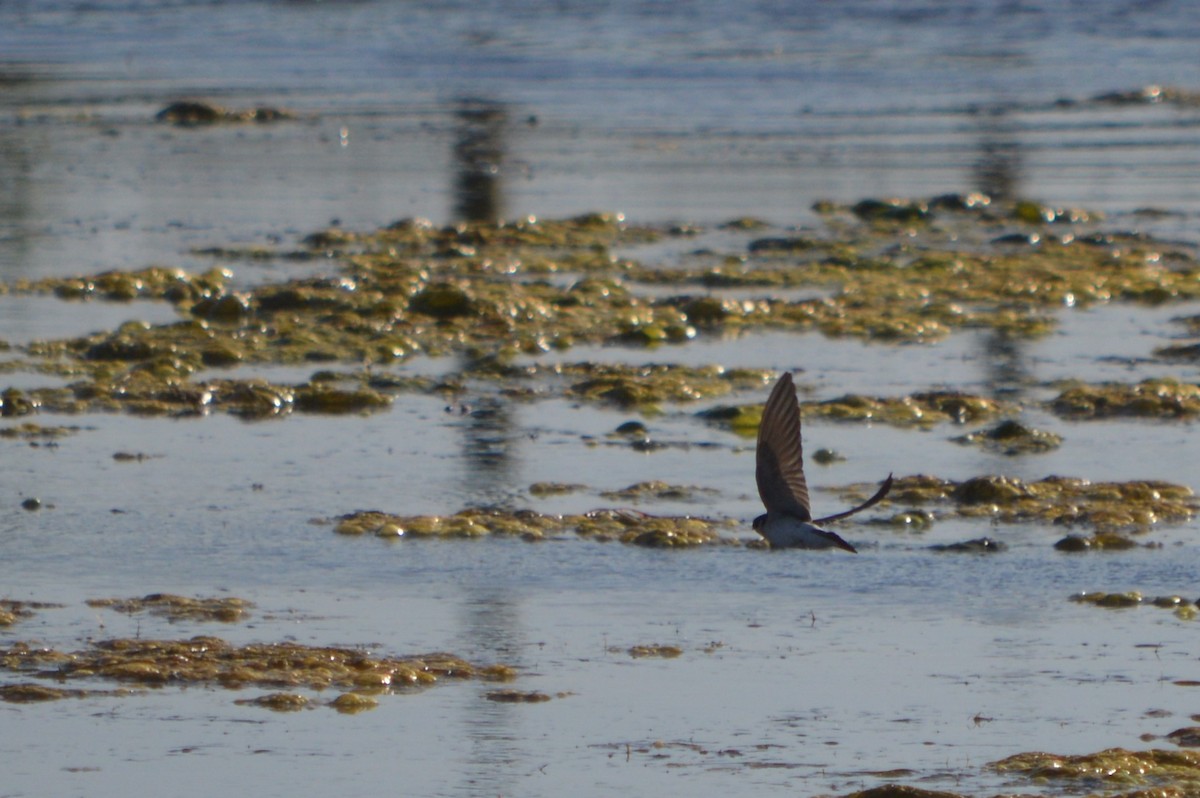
pixel 829 668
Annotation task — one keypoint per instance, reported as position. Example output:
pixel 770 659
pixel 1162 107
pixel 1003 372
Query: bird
pixel 779 471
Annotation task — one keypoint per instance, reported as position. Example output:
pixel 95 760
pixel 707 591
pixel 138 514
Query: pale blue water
pixel 829 666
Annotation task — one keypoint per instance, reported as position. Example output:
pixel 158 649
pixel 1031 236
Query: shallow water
pixel 806 672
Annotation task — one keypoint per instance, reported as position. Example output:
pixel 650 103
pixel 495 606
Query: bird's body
pixel 779 471
pixel 786 531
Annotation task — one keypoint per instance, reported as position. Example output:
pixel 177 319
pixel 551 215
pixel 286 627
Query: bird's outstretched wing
pixel 779 469
pixel 871 502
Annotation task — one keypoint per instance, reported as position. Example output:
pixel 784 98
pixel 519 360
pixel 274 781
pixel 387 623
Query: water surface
pixel 804 672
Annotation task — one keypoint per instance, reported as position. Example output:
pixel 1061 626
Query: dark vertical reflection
pixel 997 170
pixel 16 168
pixel 493 632
pixel 489 443
pixel 479 160
pixel 1006 370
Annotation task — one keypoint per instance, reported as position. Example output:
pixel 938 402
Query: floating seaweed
pixel 1183 609
pixel 1106 506
pixel 1012 438
pixel 212 661
pixel 1152 398
pixel 180 608
pixel 653 650
pixel 517 697
pixel 479 289
pixel 1113 768
pixel 627 526
pixel 922 409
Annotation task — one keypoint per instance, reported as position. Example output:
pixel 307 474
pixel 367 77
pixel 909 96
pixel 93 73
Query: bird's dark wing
pixel 871 502
pixel 780 466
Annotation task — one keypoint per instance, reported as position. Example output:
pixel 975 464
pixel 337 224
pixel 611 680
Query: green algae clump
pixel 627 526
pixel 1012 438
pixel 30 693
pixel 649 385
pixel 656 490
pixel 1113 767
pixel 655 650
pixel 901 791
pixel 1101 541
pixel 1110 600
pixel 544 489
pixel 180 608
pixel 212 661
pixel 1109 507
pixel 353 703
pixel 923 409
pixel 277 702
pixel 1152 398
pixel 1183 609
pixel 517 697
pixel 484 289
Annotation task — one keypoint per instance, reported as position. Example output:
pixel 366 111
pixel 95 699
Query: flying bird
pixel 788 522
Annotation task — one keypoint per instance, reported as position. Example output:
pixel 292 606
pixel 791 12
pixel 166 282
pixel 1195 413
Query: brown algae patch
pixel 1012 438
pixel 31 693
pixel 653 650
pixel 277 702
pixel 656 490
pixel 1153 772
pixel 519 697
pixel 1152 398
pixel 885 270
pixel 212 661
pixel 544 489
pixel 627 526
pixel 352 703
pixel 641 386
pixel 12 611
pixel 923 409
pixel 901 791
pixel 1106 506
pixel 919 409
pixel 1182 608
pixel 194 113
pixel 28 431
pixel 161 390
pixel 180 608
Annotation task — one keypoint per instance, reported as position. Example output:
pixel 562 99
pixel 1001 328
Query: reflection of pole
pixel 478 159
pixel 22 149
pixel 488 453
pixel 1007 372
pixel 997 171
pixel 492 629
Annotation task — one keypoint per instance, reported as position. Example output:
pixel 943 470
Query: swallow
pixel 779 470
